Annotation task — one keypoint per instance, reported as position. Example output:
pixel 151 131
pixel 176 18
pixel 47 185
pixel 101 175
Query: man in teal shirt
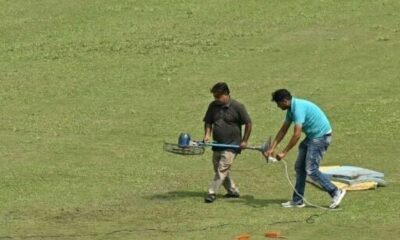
pixel 310 119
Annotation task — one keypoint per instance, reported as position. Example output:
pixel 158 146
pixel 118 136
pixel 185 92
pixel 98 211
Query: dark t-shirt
pixel 227 121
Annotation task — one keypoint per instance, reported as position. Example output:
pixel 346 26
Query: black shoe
pixel 210 198
pixel 232 195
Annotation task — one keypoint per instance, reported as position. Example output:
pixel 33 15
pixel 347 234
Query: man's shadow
pixel 249 200
pixel 174 195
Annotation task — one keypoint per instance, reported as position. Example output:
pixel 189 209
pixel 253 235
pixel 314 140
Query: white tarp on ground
pixel 353 178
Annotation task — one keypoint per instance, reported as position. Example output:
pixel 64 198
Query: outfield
pixel 91 89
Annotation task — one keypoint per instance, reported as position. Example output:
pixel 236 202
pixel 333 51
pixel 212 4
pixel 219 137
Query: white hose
pixel 294 189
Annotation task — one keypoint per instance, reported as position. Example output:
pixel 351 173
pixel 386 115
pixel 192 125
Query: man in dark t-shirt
pixel 224 119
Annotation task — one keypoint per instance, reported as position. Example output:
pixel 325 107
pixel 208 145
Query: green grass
pixel 91 89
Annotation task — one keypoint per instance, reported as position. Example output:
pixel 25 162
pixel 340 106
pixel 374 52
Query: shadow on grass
pixel 245 199
pixel 177 195
pixel 254 202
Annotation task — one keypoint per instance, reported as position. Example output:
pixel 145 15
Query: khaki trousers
pixel 222 162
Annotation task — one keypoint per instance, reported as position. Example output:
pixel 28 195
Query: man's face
pixel 284 104
pixel 221 99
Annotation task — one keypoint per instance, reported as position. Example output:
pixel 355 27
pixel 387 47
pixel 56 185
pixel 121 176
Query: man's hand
pixel 281 155
pixel 243 144
pixel 206 138
pixel 269 153
pixel 207 132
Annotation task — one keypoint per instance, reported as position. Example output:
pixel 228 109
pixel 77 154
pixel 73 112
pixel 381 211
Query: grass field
pixel 90 90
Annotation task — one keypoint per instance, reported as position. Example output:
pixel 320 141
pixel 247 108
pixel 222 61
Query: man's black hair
pixel 281 94
pixel 220 88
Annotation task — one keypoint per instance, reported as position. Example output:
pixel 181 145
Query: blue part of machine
pixel 184 140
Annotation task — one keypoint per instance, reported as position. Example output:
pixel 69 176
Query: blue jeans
pixel 311 152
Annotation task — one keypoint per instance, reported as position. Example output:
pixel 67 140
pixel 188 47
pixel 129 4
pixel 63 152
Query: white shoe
pixel 290 204
pixel 337 198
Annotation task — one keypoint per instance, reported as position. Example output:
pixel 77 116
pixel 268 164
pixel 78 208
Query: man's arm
pixel 207 132
pixel 293 141
pixel 246 135
pixel 279 136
